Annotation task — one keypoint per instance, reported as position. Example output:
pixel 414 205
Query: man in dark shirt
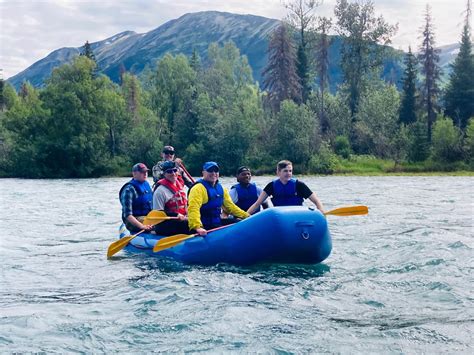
pixel 286 191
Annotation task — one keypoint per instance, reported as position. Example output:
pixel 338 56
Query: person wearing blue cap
pixel 206 200
pixel 136 199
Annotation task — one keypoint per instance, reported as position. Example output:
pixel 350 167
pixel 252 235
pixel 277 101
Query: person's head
pixel 285 170
pixel 170 170
pixel 243 175
pixel 168 153
pixel 140 172
pixel 210 172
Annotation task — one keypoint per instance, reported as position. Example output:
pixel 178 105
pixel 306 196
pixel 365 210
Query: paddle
pixel 348 211
pixel 187 173
pixel 154 217
pixel 174 240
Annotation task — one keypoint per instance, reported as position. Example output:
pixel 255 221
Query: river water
pixel 399 280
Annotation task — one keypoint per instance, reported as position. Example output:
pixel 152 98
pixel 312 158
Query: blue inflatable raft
pixel 275 235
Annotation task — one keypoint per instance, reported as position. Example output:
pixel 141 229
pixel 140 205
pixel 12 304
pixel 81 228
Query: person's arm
pixel 314 199
pixel 159 199
pixel 187 179
pixel 265 203
pixel 263 196
pixel 232 207
pixel 139 224
pixel 197 197
pixel 304 191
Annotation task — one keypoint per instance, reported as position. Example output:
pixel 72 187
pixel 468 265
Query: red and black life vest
pixel 178 203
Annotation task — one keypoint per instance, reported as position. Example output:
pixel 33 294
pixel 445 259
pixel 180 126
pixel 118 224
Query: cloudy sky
pixel 31 29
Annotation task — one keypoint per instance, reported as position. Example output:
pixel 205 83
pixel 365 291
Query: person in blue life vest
pixel 286 191
pixel 169 154
pixel 136 199
pixel 245 193
pixel 206 200
pixel 170 197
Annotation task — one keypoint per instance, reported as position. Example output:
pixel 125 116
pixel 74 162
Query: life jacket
pixel 247 195
pixel 285 195
pixel 211 210
pixel 142 205
pixel 178 203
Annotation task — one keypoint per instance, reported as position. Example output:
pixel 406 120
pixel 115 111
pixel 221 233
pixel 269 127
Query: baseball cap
pixel 168 148
pixel 140 167
pixel 209 164
pixel 242 169
pixel 169 164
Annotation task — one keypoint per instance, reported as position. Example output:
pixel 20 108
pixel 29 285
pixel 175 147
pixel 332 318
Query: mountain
pixel 196 31
pixel 191 31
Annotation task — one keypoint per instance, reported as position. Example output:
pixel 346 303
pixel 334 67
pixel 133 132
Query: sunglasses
pixel 171 171
pixel 169 152
pixel 213 169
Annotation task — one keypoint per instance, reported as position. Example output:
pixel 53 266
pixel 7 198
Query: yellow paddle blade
pixel 152 218
pixel 118 245
pixel 168 240
pixel 155 213
pixel 169 243
pixel 348 211
pixel 155 220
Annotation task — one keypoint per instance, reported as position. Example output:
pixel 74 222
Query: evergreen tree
pixel 429 58
pixel 279 76
pixel 301 17
pixel 361 56
pixel 408 104
pixel 24 90
pixel 195 61
pixel 88 52
pixel 322 60
pixel 122 71
pixel 459 96
pixel 418 146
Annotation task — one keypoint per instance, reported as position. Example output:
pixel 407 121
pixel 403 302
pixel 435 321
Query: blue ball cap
pixel 169 164
pixel 210 164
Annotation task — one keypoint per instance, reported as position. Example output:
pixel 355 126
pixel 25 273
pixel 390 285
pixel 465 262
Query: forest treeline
pixel 81 124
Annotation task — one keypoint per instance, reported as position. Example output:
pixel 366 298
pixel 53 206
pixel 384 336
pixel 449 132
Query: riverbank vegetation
pixel 80 124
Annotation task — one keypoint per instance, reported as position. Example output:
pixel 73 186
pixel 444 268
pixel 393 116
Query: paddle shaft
pixel 187 173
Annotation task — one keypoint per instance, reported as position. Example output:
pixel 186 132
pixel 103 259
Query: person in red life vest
pixel 136 199
pixel 169 154
pixel 170 197
pixel 286 191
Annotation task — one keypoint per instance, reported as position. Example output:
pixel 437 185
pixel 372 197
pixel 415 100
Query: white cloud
pixel 29 30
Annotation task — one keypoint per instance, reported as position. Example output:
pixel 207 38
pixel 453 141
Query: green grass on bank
pixel 369 165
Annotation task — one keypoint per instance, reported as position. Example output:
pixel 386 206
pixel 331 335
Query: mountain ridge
pixel 135 51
